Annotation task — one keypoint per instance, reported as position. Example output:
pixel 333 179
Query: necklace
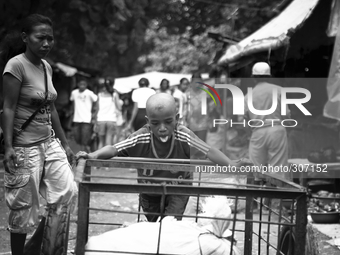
pixel 171 146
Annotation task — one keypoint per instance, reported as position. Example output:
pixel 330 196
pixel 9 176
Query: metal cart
pixel 262 229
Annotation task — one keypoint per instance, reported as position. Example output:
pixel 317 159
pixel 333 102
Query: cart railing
pixel 283 189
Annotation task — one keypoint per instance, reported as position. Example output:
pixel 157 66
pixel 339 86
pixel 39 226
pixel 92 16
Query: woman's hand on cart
pixel 70 155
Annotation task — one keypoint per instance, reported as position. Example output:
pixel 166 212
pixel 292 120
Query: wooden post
pixel 87 171
pixel 248 229
pixel 83 219
pixel 301 223
pixel 83 206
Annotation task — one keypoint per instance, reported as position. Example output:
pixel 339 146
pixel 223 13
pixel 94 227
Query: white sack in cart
pixel 207 237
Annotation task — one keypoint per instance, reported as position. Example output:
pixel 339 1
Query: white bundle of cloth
pixel 206 237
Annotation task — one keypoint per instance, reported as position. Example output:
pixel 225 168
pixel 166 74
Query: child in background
pixel 181 99
pixel 108 116
pixel 139 97
pixel 162 137
pixel 83 102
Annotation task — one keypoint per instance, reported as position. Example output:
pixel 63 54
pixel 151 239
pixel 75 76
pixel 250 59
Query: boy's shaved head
pixel 160 102
pixel 162 117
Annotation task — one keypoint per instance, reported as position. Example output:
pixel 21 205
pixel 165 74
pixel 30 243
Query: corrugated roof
pixel 274 34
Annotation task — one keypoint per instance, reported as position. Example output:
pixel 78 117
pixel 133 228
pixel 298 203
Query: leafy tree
pixel 103 34
pixel 109 35
pixel 179 53
pixel 178 40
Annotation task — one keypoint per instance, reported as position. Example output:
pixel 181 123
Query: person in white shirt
pixel 139 97
pixel 83 100
pixel 181 98
pixel 269 142
pixel 108 116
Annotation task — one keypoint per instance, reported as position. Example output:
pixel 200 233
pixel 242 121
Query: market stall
pixel 302 45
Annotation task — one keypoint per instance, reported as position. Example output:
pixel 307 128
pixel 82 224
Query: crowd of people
pixel 106 115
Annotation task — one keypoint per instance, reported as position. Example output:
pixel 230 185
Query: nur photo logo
pixel 239 103
pixel 204 98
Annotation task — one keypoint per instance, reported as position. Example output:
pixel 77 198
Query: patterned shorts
pixel 41 169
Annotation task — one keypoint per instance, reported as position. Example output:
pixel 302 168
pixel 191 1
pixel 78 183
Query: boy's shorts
pixel 41 169
pixel 106 127
pixel 173 205
pixel 82 133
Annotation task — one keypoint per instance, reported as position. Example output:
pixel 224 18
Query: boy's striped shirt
pixel 139 144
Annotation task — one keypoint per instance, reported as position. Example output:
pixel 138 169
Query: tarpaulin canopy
pixel 334 21
pixel 67 70
pixel 332 107
pixel 276 33
pixel 71 70
pixel 126 84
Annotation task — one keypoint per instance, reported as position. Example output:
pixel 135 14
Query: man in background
pixel 268 143
pixel 196 121
pixel 83 114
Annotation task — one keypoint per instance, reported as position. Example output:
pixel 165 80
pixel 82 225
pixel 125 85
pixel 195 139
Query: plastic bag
pixel 207 237
pixel 177 237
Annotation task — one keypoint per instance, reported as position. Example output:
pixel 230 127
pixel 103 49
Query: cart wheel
pixel 285 240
